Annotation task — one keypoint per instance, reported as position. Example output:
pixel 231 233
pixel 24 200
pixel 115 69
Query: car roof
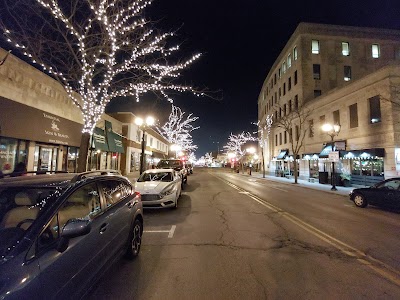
pixel 63 179
pixel 159 170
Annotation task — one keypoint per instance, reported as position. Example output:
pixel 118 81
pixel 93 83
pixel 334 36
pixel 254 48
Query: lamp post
pixel 143 124
pixel 251 150
pixel 332 131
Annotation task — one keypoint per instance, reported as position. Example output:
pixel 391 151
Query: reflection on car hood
pixel 147 186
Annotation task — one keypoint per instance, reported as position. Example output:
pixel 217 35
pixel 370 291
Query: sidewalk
pixel 341 190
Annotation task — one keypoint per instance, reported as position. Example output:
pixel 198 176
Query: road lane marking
pixel 374 264
pixel 170 232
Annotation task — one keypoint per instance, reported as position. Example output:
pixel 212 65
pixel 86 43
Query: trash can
pixel 323 177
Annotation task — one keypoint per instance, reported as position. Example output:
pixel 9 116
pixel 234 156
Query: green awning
pixel 282 154
pixel 114 142
pixel 99 141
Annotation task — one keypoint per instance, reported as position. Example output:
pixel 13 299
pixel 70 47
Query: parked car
pixel 175 164
pixel 159 188
pixel 385 193
pixel 59 232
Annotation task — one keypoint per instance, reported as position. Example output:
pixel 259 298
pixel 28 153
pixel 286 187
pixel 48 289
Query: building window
pixel 317 71
pixel 295 53
pixel 284 110
pixel 296 102
pixel 280 112
pixel 375 110
pixel 310 128
pixel 347 73
pixel 276 96
pixel 276 116
pixel 280 138
pixel 285 137
pixel 275 78
pixel 280 93
pixel 295 77
pixel 297 132
pixel 284 67
pixel 289 61
pixel 276 140
pixel 336 117
pixel 290 106
pixel 315 47
pixel 376 51
pixel 279 73
pixel 290 84
pixel 284 89
pixel 317 93
pixel 345 49
pixel 353 115
pixel 290 134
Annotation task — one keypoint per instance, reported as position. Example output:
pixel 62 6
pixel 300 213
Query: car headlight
pixel 167 191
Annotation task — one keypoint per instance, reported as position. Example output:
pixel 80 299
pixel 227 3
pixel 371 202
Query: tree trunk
pixel 295 169
pixel 83 152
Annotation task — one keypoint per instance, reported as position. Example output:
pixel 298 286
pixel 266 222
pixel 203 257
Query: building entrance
pixel 45 158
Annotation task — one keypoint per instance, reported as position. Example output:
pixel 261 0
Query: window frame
pixel 315 47
pixel 346 73
pixel 378 49
pixel 345 52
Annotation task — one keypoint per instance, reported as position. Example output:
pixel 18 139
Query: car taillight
pixel 137 196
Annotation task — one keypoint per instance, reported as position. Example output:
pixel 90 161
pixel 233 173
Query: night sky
pixel 240 41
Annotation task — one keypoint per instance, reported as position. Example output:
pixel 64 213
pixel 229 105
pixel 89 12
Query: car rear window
pixel 167 164
pixel 158 176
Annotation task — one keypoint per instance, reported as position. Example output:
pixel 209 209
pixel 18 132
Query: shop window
pixel 353 115
pixel 8 154
pixel 374 110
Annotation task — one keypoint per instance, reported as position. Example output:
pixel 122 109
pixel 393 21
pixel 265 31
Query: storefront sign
pixel 24 122
pixel 334 156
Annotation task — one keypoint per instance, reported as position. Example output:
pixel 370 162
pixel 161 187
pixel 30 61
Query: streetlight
pixel 332 131
pixel 176 148
pixel 251 150
pixel 143 124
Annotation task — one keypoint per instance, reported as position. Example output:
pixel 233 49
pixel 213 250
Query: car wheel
pixel 360 201
pixel 135 240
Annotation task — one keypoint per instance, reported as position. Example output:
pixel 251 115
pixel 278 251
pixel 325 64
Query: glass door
pixel 45 158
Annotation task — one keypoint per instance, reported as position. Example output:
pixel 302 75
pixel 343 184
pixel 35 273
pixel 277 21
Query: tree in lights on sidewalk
pixel 178 128
pixel 235 143
pixel 97 50
pixel 264 131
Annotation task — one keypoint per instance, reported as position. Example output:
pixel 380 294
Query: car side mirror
pixel 73 228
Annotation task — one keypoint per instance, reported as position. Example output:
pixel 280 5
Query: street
pixel 235 236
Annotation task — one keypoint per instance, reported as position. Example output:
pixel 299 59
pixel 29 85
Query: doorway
pixel 45 158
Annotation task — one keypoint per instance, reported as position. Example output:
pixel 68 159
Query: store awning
pixel 99 141
pixel 365 153
pixel 310 156
pixel 325 151
pixel 114 142
pixel 282 154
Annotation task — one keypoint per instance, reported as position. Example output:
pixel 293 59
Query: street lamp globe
pixel 138 121
pixel 327 127
pixel 150 121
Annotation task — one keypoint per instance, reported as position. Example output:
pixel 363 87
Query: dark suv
pixel 175 164
pixel 59 232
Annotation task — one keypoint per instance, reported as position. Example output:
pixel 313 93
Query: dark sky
pixel 240 41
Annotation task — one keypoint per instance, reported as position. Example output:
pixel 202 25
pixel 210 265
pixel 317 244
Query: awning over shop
pixel 99 141
pixel 325 151
pixel 114 142
pixel 282 154
pixel 310 156
pixel 365 153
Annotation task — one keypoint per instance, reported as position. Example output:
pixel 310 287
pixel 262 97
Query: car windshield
pixel 19 208
pixel 159 176
pixel 169 164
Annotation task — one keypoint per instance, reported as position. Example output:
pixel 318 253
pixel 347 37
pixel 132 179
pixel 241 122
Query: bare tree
pixel 296 122
pixel 97 50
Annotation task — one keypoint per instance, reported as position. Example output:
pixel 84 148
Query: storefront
pixel 41 140
pixel 280 163
pixel 311 165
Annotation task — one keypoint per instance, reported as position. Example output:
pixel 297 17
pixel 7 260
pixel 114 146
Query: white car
pixel 159 188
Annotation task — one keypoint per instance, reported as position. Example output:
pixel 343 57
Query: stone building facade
pixel 345 75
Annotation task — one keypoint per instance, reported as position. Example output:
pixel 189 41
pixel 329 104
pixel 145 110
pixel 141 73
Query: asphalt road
pixel 237 237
